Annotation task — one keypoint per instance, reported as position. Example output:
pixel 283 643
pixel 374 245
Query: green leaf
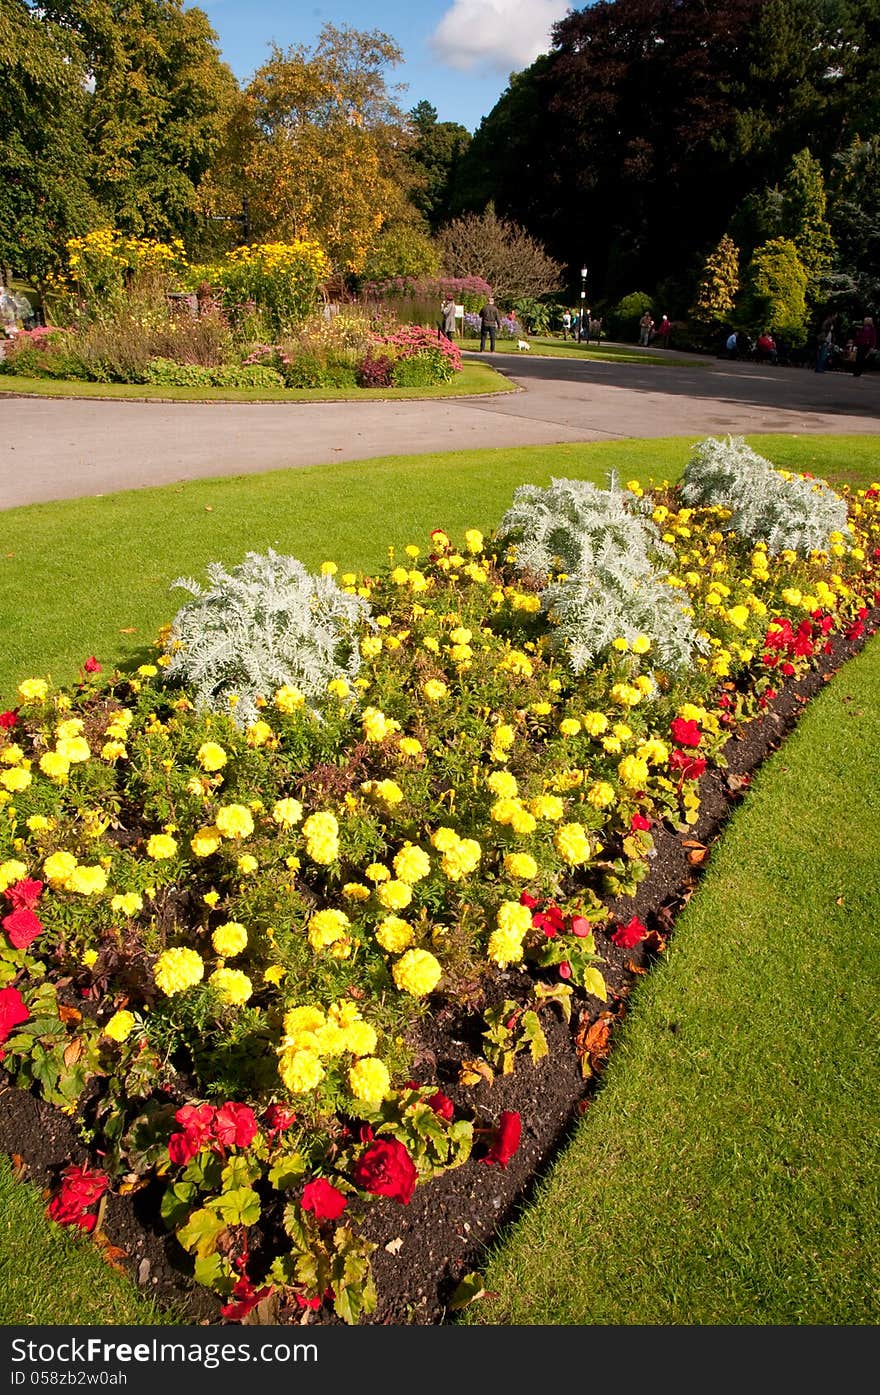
pixel 240 1171
pixel 594 983
pixel 469 1291
pixel 286 1172
pixel 240 1206
pixel 215 1272
pixel 201 1232
pixel 176 1203
pixel 533 1035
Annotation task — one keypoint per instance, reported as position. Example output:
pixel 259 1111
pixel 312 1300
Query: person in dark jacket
pixel 865 339
pixel 447 318
pixel 490 321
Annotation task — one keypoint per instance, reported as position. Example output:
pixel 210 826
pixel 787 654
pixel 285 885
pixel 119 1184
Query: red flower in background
pixel 8 719
pixel 629 935
pixel 325 1201
pixel 278 1118
pixel 91 665
pixel 245 1297
pixel 507 1139
pixel 639 824
pixel 686 733
pixel 691 767
pixel 13 1010
pixel 22 927
pixel 25 894
pixel 386 1169
pixel 235 1124
pixel 441 1105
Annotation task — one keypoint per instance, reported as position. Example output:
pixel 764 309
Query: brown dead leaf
pixel 691 843
pixel 265 1314
pixel 130 630
pixel 73 1052
pixel 635 968
pixel 472 1072
pixel 69 1014
pixel 654 941
pixel 19 1165
pixel 113 1254
pixel 591 1043
pixel 395 1246
pixel 697 856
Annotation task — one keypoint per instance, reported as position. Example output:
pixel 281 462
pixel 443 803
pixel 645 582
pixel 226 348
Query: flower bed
pixel 286 927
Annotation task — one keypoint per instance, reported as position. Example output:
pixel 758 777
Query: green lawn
pixel 728 1170
pixel 474 378
pixel 546 346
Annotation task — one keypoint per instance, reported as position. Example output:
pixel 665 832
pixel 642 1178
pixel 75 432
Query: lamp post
pixel 583 305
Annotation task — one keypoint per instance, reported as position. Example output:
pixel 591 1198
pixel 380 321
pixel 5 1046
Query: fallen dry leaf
pixel 635 968
pixel 73 1052
pixel 130 630
pixel 69 1014
pixel 395 1246
pixel 472 1072
pixel 697 856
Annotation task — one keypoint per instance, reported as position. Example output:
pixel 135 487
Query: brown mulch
pixel 424 1249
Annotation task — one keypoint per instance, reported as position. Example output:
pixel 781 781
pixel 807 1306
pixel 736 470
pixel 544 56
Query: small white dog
pixel 522 345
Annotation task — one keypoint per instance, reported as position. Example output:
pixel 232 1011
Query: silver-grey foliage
pixel 792 512
pixel 612 583
pixel 264 623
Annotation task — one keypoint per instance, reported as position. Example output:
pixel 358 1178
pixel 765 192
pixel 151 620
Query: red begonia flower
pixel 245 1297
pixel 22 927
pixel 639 824
pixel 25 894
pixel 8 719
pixel 235 1124
pixel 325 1201
pixel 13 1010
pixel 386 1169
pixel 442 1105
pixel 507 1139
pixel 629 935
pixel 91 665
pixel 278 1118
pixel 686 733
pixel 580 927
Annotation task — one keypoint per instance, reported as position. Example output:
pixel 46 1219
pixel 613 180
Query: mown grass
pixel 547 347
pixel 775 1102
pixel 728 1172
pixel 474 379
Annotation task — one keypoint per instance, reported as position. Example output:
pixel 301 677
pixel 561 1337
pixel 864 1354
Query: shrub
pixel 612 585
pixel 766 505
pixel 265 624
pixel 164 372
pixel 775 295
pixel 425 369
pixel 623 318
pixel 375 369
pixel 280 278
pixel 310 371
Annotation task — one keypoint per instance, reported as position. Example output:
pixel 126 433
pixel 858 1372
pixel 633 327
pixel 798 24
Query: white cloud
pixel 500 35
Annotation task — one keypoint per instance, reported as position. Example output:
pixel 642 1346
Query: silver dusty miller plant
pixel 602 557
pixel 794 513
pixel 264 623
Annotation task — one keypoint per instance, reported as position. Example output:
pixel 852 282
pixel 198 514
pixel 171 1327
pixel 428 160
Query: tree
pixel 402 249
pixel 318 145
pixel 502 253
pixel 775 295
pixel 44 194
pixel 718 286
pixel 157 110
pixel 855 220
pixel 436 158
pixel 804 220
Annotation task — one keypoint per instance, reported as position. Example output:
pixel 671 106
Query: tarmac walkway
pixel 63 448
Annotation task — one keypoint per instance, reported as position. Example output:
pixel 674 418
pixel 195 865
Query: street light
pixel 583 305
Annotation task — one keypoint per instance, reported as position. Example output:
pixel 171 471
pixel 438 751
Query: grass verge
pixel 728 1172
pixel 545 347
pixel 474 379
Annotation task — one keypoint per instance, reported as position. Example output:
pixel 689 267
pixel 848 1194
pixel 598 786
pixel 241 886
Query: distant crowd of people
pixel 851 349
pixel 581 327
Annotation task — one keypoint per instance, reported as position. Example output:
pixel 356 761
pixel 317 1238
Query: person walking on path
pixel 663 331
pixel 447 318
pixel 865 339
pixel 646 327
pixel 566 323
pixel 490 322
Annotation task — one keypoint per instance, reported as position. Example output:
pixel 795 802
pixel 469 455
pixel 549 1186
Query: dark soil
pixel 424 1248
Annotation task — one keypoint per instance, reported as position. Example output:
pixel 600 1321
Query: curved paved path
pixel 56 448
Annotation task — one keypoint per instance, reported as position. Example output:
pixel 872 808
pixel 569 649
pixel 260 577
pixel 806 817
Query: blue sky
pixel 458 54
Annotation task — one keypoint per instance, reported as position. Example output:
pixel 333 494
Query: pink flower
pixel 325 1201
pixel 91 665
pixel 580 927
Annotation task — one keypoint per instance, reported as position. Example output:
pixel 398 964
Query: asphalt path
pixel 64 448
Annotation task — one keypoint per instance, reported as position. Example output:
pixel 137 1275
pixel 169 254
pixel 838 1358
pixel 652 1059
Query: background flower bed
pixel 407 589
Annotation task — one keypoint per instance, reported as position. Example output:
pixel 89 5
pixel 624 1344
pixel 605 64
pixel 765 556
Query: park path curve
pixel 64 448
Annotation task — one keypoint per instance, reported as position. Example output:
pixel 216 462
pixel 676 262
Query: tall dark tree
pixel 44 194
pixel 436 157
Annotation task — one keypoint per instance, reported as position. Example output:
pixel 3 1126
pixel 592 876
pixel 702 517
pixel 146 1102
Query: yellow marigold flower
pixel 233 986
pixel 655 752
pixel 547 806
pixel 120 1026
pixel 412 863
pixel 435 689
pixel 114 750
pixel 322 837
pixel 274 974
pixel 229 939
pixel 641 644
pixel 12 754
pixel 359 1038
pixel 473 539
pixel 129 903
pixel 14 871
pixel 517 662
pixel 505 947
pixel 514 917
pixel 16 779
pixel 394 934
pixel 376 872
pixel 326 927
pixel 400 576
pixel 625 694
pixel 303 1022
pixel 73 749
pixel 211 756
pixel 595 723
pixel 394 895
pixel 612 744
pixel 503 810
pixel 205 841
pixel 288 699
pixel 72 726
pixel 329 569
pixel 522 822
pixel 409 746
pixel 338 687
pixel 503 736
pixel 371 646
pixel 87 881
pixel 329 1039
pixel 620 644
pixel 690 713
pixel 738 616
pixel 527 602
pixel 461 859
pixel 57 867
pixel 633 772
pixel 234 821
pixel 33 689
pixel 444 838
pixel 572 843
pixel 178 969
pixel 259 734
pixel 247 864
pixel 89 958
pixel 356 891
pixel 287 812
pixel 569 726
pixel 431 644
pixel 301 1071
pixel 148 670
pixel 541 709
pixel 521 866
pixel 417 972
pixel 645 684
pixel 161 845
pixel 369 1080
pixel 601 794
pixel 622 731
pixel 37 823
pixel 502 783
